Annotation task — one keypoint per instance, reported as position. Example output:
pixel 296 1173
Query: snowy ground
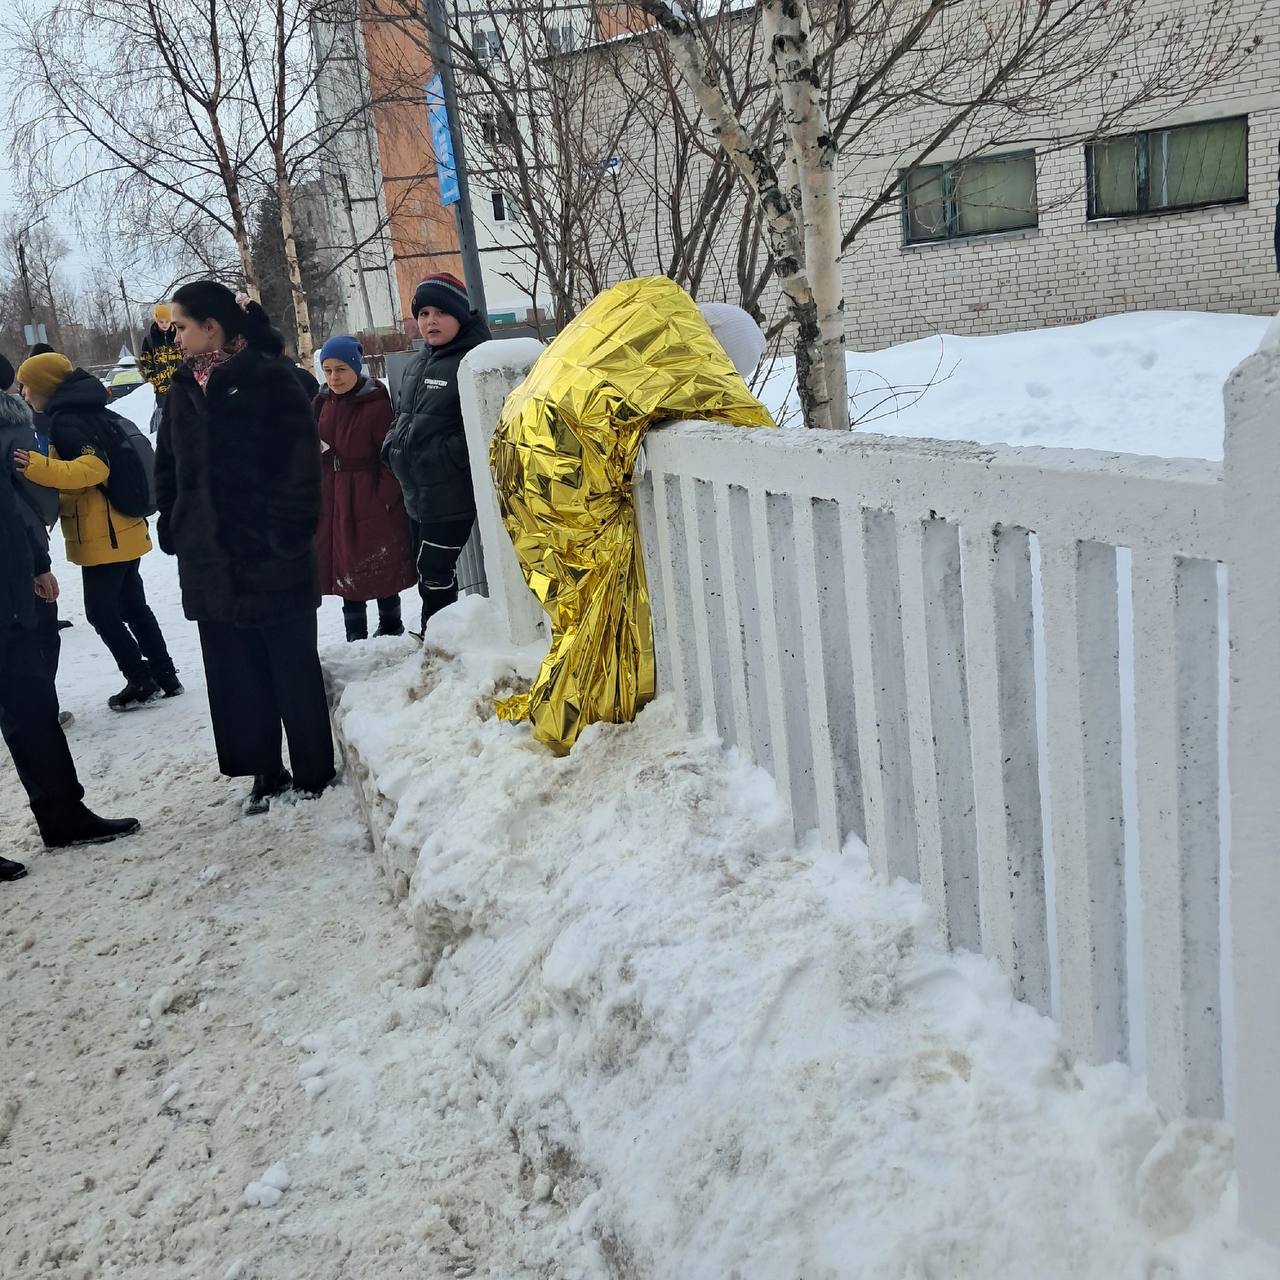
pixel 1149 382
pixel 619 1027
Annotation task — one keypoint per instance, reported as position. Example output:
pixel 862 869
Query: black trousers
pixel 115 603
pixel 259 679
pixel 29 724
pixel 49 638
pixel 355 613
pixel 437 545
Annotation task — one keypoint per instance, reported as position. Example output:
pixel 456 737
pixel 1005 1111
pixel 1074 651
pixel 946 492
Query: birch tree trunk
pixel 812 150
pixel 301 311
pixel 783 229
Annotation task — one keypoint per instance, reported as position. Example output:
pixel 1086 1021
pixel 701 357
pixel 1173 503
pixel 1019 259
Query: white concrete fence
pixel 1002 669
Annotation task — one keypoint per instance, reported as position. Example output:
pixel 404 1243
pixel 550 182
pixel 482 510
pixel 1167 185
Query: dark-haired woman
pixel 238 485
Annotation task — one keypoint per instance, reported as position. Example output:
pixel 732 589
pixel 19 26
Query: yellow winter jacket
pixel 88 521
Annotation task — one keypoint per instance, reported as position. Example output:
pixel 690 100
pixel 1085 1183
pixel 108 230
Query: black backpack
pixel 131 486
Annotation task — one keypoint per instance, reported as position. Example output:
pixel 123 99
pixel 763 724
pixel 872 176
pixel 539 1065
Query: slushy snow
pixel 615 1025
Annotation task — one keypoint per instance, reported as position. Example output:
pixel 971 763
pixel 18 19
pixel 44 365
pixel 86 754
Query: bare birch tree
pixel 891 83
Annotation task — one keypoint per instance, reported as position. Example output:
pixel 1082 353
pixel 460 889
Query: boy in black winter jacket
pixel 426 449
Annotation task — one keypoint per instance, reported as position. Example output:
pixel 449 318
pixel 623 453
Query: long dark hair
pixel 208 300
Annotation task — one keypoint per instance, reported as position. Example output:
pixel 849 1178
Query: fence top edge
pixel 664 443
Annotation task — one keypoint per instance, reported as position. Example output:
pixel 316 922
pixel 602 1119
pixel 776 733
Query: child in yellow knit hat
pixel 106 544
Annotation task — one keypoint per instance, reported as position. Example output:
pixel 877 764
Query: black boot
pixel 11 870
pixel 141 691
pixel 78 825
pixel 355 619
pixel 168 681
pixel 389 621
pixel 265 786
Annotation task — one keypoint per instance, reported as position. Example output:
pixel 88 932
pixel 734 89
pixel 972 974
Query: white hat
pixel 743 340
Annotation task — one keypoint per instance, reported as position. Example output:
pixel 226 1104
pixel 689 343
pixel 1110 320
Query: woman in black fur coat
pixel 238 486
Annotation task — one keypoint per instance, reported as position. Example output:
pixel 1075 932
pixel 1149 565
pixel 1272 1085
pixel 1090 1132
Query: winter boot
pixel 355 619
pixel 168 681
pixel 11 870
pixel 78 825
pixel 141 691
pixel 265 786
pixel 389 621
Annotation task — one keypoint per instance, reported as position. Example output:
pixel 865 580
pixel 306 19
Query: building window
pixel 503 210
pixel 970 197
pixel 560 39
pixel 1162 170
pixel 497 131
pixel 486 44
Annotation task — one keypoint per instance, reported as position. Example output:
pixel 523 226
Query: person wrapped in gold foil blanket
pixel 562 460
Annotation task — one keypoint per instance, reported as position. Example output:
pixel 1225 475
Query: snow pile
pixel 1146 382
pixel 726 1057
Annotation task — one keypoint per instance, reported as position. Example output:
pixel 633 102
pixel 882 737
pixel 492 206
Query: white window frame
pixel 486 44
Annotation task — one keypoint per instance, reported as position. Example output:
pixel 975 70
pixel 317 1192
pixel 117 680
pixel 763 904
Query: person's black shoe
pixel 82 826
pixel 169 683
pixel 265 786
pixel 137 693
pixel 313 792
pixel 390 621
pixel 11 870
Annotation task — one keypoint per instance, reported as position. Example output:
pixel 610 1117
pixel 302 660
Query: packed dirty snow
pixel 749 1060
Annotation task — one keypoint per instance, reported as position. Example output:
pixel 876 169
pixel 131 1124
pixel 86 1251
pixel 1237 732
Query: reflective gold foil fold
pixel 562 460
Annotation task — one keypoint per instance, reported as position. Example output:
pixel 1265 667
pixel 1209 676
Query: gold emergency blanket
pixel 562 459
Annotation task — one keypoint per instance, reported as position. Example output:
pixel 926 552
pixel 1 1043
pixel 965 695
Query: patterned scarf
pixel 203 365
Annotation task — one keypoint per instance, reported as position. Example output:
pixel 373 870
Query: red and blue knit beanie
pixel 446 293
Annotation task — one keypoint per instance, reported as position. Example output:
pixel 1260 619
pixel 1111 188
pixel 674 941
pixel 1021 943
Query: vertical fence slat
pixel 1252 463
pixel 771 649
pixel 857 602
pixel 1082 677
pixel 815 673
pixel 1175 645
pixel 733 621
pixel 701 605
pixel 920 718
pixel 666 557
pixel 1001 678
pixel 938 715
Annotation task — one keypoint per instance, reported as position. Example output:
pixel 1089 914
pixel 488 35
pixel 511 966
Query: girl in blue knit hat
pixel 362 543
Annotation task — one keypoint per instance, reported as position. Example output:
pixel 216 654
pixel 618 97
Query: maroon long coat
pixel 362 542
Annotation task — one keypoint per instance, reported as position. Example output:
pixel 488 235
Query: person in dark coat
pixel 238 486
pixel 28 705
pixel 307 380
pixel 38 507
pixel 427 447
pixel 160 356
pixel 363 543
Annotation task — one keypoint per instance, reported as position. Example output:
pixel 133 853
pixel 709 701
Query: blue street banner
pixel 442 143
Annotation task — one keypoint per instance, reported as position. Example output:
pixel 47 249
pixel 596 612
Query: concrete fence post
pixel 487 376
pixel 1252 477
